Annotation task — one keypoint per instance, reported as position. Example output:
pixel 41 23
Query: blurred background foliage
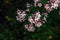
pixel 11 29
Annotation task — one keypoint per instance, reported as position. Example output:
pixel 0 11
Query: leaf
pixel 43 1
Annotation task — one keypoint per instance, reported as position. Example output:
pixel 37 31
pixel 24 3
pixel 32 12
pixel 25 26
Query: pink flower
pixel 54 5
pixel 30 27
pixel 38 24
pixel 23 12
pixel 36 18
pixel 38 15
pixel 21 15
pixel 18 12
pixel 50 9
pixel 31 19
pixel 47 6
pixel 39 5
pixel 57 1
pixel 35 2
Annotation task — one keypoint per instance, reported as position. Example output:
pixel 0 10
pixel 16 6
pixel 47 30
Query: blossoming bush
pixel 36 19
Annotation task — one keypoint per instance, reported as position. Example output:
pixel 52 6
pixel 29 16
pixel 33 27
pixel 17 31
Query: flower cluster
pixel 21 15
pixel 52 4
pixel 35 19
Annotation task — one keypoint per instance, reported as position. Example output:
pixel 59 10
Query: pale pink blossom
pixel 21 15
pixel 31 19
pixel 18 12
pixel 38 15
pixel 50 7
pixel 23 12
pixel 38 24
pixel 47 6
pixel 54 5
pixel 56 1
pixel 30 27
pixel 35 2
pixel 36 18
pixel 49 10
pixel 39 4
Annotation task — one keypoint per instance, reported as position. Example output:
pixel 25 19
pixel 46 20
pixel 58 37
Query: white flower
pixel 21 15
pixel 35 2
pixel 38 24
pixel 36 18
pixel 23 12
pixel 18 12
pixel 49 10
pixel 55 6
pixel 47 6
pixel 31 20
pixel 39 5
pixel 30 27
pixel 57 1
pixel 38 15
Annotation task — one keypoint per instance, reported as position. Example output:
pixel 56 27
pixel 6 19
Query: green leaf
pixel 43 1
